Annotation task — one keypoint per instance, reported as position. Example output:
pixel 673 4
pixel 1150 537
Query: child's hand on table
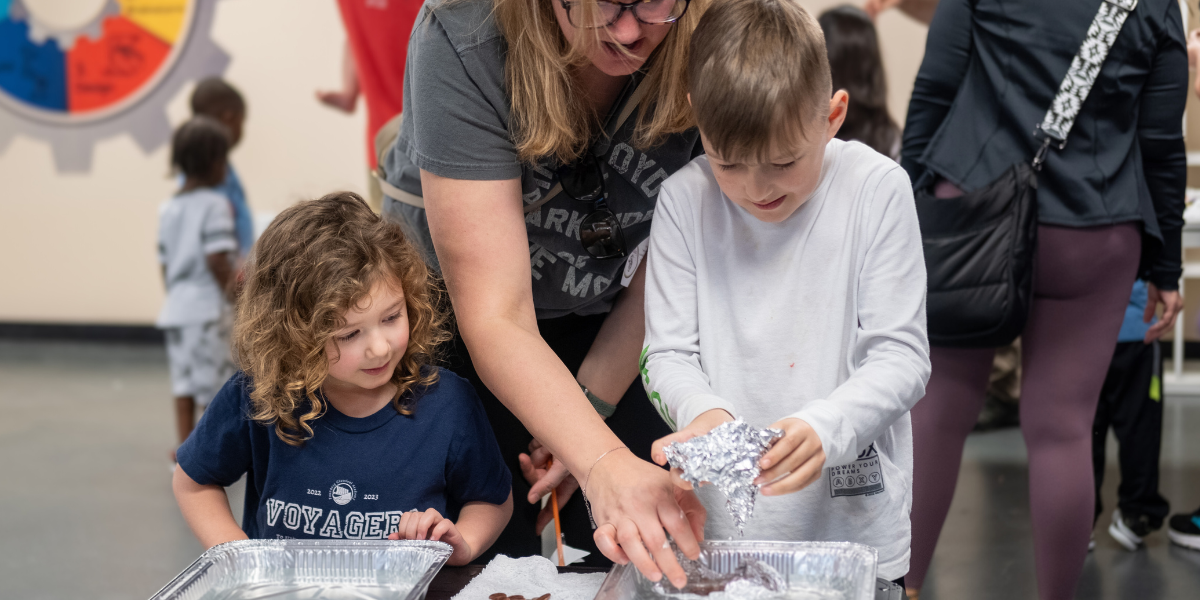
pixel 431 525
pixel 795 461
pixel 701 425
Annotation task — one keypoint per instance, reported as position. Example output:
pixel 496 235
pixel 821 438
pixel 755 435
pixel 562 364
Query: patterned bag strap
pixel 1085 67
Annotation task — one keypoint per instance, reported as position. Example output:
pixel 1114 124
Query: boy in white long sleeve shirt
pixel 786 286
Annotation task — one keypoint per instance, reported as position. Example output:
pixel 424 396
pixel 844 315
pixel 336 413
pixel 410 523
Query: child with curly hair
pixel 338 417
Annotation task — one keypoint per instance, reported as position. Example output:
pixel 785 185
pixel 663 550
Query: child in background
pixel 196 248
pixel 857 67
pixel 786 286
pixel 215 98
pixel 342 423
pixel 1131 403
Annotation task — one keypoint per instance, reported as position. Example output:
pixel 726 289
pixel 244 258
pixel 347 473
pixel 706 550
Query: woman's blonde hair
pixel 315 261
pixel 550 115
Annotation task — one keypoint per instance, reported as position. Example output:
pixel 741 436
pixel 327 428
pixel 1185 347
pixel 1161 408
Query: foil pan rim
pixel 441 552
pixel 617 579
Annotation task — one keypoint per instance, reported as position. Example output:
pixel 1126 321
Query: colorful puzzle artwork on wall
pixel 76 71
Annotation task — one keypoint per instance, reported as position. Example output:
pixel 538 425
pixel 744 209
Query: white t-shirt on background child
pixel 820 317
pixel 193 225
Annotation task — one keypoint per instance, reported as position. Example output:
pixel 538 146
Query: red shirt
pixel 378 31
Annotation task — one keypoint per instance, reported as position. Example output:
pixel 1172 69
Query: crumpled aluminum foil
pixel 751 578
pixel 728 458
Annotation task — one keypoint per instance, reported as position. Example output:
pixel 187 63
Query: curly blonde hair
pixel 315 261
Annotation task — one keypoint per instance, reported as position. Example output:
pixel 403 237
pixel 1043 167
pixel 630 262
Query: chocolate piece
pixel 543 597
pixel 498 596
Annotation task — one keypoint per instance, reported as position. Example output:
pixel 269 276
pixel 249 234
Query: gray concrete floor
pixel 86 509
pixel 986 548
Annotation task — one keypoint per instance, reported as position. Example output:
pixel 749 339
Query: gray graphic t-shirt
pixel 456 115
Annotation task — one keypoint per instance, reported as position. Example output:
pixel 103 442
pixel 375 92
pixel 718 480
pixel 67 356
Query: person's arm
pixel 921 10
pixel 608 369
pixel 892 349
pixel 671 365
pixel 480 523
pixel 947 55
pixel 162 260
pixel 1164 165
pixel 1160 139
pixel 218 241
pixel 346 98
pixel 611 364
pixel 672 371
pixel 221 266
pixel 478 526
pixel 206 510
pixel 478 230
pixel 1193 50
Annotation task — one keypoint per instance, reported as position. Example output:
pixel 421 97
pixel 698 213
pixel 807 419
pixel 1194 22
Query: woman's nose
pixel 626 30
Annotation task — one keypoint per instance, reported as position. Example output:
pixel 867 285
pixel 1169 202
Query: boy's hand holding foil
pixel 792 464
pixel 727 456
pixel 794 461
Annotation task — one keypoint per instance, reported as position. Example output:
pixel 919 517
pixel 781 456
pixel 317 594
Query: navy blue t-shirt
pixel 355 477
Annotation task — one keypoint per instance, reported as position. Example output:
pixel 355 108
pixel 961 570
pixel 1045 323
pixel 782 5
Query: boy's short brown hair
pixel 314 262
pixel 757 73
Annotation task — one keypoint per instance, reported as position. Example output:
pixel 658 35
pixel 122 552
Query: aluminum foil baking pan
pixel 310 570
pixel 816 570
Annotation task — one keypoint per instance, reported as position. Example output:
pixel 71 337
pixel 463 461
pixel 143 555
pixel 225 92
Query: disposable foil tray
pixel 812 570
pixel 310 570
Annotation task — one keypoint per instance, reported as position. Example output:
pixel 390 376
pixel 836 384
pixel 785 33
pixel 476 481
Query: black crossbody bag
pixel 980 247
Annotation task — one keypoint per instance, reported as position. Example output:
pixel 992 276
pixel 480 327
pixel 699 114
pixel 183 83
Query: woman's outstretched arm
pixel 478 229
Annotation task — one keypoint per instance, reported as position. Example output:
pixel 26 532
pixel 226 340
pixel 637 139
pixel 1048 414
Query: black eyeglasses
pixel 600 232
pixel 647 12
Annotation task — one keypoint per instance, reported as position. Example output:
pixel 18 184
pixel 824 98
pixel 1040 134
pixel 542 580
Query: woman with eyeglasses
pixel 534 139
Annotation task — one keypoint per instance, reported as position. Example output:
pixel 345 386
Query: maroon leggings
pixel 1081 287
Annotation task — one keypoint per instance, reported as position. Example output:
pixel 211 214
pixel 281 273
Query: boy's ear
pixel 838 105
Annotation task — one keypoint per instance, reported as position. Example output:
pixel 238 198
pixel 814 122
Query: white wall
pixel 80 248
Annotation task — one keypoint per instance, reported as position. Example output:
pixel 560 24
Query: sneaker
pixel 1185 530
pixel 1128 531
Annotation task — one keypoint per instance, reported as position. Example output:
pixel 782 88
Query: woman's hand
pixel 701 425
pixel 632 501
pixel 795 461
pixel 874 7
pixel 542 479
pixel 1171 303
pixel 921 10
pixel 1193 51
pixel 431 525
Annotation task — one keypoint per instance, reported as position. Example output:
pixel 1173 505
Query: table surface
pixel 451 580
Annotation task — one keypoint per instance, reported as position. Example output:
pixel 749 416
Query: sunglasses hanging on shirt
pixel 600 232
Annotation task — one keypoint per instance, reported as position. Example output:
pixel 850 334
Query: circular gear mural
pixel 76 72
